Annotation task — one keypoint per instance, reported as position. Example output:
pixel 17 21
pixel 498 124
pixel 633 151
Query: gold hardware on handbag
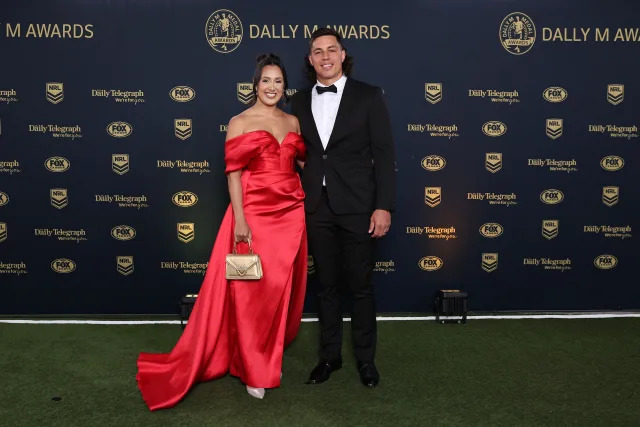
pixel 243 266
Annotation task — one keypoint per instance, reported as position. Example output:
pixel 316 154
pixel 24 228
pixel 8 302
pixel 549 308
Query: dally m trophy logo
pixel 123 232
pixel 4 198
pixel 184 199
pixel 3 231
pixel 433 163
pixel 245 92
pixel 59 197
pixel 120 163
pixel 432 196
pixel 517 33
pixel 124 265
pixel 493 162
pixel 612 163
pixel 605 262
pixel 57 164
pixel 182 94
pixel 554 128
pixel 223 31
pixel 489 262
pixel 186 231
pixel 183 128
pixel 430 263
pixel 433 92
pixel 615 94
pixel 550 228
pixel 63 265
pixel 54 92
pixel 119 129
pixel 610 195
pixel 555 94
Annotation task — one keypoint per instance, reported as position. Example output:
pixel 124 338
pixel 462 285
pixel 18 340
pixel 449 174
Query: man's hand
pixel 380 223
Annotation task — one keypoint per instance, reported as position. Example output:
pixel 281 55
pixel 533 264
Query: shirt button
pixel 324 157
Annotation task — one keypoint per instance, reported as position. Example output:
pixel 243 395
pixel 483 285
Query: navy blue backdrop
pixel 515 123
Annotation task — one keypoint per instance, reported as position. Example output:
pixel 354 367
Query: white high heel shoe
pixel 258 393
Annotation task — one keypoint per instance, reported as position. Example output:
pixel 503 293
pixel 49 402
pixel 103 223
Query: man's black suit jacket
pixel 359 162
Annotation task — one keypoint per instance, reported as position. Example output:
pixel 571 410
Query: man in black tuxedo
pixel 349 179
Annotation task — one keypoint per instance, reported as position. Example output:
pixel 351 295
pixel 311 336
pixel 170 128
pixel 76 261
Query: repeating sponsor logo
pixel 489 262
pixel 441 233
pixel 491 230
pixel 610 195
pixel 245 92
pixel 444 131
pixel 504 199
pixel 185 166
pixel 430 263
pixel 500 96
pixel 555 94
pixel 554 128
pixel 311 268
pixel 62 234
pixel 185 266
pixel 493 162
pixel 119 129
pixel 555 165
pixel 609 231
pixel 615 94
pixel 494 128
pixel 120 96
pixel 550 228
pixel 123 232
pixel 54 92
pixel 433 163
pixel 63 265
pixel 16 268
pixel 433 92
pixel 124 265
pixel 4 198
pixel 182 94
pixel 432 196
pixel 120 163
pixel 183 128
pixel 549 264
pixel 8 96
pixel 223 128
pixel 517 33
pixel 59 197
pixel 612 163
pixel 223 31
pixel 10 167
pixel 57 131
pixel 616 131
pixel 57 164
pixel 184 199
pixel 3 231
pixel 551 196
pixel 186 231
pixel 385 267
pixel 123 201
pixel 605 262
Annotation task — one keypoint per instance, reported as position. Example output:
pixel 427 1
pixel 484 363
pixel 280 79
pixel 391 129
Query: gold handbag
pixel 243 266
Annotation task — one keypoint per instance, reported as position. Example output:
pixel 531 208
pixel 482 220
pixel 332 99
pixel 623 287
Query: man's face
pixel 326 58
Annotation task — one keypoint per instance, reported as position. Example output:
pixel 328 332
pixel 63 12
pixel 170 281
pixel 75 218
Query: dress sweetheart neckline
pixel 268 133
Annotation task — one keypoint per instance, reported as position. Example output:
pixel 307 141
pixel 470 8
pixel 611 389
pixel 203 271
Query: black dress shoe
pixel 369 375
pixel 323 370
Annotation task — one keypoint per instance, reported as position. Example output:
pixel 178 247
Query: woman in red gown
pixel 241 327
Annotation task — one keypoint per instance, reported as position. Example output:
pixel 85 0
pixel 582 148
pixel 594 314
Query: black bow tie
pixel 322 89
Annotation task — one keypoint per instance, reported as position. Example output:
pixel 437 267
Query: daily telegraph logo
pixel 610 231
pixel 184 199
pixel 59 197
pixel 549 263
pixel 550 228
pixel 615 94
pixel 555 165
pixel 491 230
pixel 10 167
pixel 62 234
pixel 8 96
pixel 183 128
pixel 447 131
pixel 182 94
pixel 120 163
pixel 57 131
pixel 385 267
pixel 123 232
pixel 57 164
pixel 124 265
pixel 432 196
pixel 184 166
pixel 119 129
pixel 555 94
pixel 433 163
pixel 63 265
pixel 433 92
pixel 3 231
pixel 441 233
pixel 430 263
pixel 4 198
pixel 120 96
pixel 551 196
pixel 517 33
pixel 54 92
pixel 605 262
pixel 493 162
pixel 186 266
pixel 610 195
pixel 245 92
pixel 509 97
pixel 554 128
pixel 615 131
pixel 504 199
pixel 494 128
pixel 612 163
pixel 186 231
pixel 489 262
pixel 223 31
pixel 123 201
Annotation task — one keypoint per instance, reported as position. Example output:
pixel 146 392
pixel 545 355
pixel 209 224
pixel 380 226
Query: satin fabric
pixel 242 327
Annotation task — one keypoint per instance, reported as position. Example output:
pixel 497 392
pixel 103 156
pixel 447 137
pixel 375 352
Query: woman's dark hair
pixel 347 64
pixel 264 60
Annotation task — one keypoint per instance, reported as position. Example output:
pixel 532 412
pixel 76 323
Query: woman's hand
pixel 242 232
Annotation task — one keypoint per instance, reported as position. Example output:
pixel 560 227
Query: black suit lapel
pixel 313 136
pixel 342 118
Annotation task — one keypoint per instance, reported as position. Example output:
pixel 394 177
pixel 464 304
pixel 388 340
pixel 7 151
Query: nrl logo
pixel 3 231
pixel 54 92
pixel 432 196
pixel 124 265
pixel 430 263
pixel 433 92
pixel 610 195
pixel 186 231
pixel 59 197
pixel 615 94
pixel 493 162
pixel 550 228
pixel 245 92
pixel 489 262
pixel 183 128
pixel 120 163
pixel 554 128
pixel 310 265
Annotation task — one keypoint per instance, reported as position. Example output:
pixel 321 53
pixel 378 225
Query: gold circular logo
pixel 63 265
pixel 494 128
pixel 57 164
pixel 552 196
pixel 430 263
pixel 119 129
pixel 555 94
pixel 4 198
pixel 223 31
pixel 123 232
pixel 433 163
pixel 182 94
pixel 517 33
pixel 605 262
pixel 491 229
pixel 612 163
pixel 184 199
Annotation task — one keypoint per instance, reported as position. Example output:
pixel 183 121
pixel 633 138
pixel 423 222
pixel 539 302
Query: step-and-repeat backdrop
pixel 515 124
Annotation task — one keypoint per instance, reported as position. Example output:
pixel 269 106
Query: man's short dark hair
pixel 347 64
